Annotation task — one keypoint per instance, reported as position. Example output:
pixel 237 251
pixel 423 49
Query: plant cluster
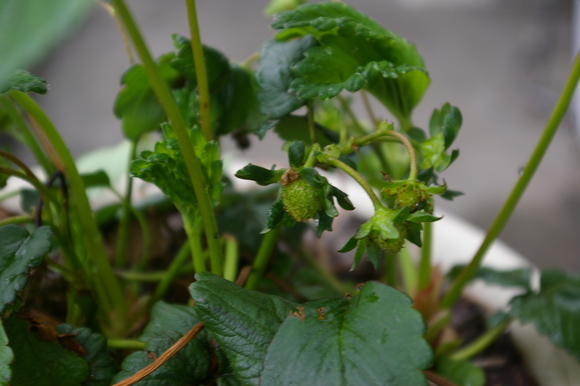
pixel 263 309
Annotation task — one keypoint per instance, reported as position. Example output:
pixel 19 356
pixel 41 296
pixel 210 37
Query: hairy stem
pixel 200 70
pixel 505 213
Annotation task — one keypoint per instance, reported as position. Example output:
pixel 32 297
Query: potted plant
pixel 263 308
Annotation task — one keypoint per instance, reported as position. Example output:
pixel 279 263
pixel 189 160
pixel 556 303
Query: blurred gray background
pixel 503 63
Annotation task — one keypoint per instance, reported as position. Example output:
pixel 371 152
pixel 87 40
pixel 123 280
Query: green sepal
pixel 275 216
pixel 342 198
pixel 418 217
pixel 22 80
pixel 324 223
pixel 349 246
pixel 414 233
pixel 374 254
pixel 360 251
pixel 296 153
pixel 261 175
pixel 447 120
pixel 313 178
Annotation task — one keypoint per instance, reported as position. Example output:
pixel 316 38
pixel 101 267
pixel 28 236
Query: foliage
pixel 290 317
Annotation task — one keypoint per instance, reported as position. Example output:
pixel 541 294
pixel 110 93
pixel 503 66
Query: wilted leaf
pixel 19 253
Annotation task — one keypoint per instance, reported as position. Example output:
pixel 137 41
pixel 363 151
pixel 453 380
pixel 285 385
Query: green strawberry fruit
pixel 393 245
pixel 301 200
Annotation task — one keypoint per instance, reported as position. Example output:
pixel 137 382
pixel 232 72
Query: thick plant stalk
pixel 551 127
pixel 181 130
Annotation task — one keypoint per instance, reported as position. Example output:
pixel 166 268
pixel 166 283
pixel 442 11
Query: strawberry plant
pixel 262 308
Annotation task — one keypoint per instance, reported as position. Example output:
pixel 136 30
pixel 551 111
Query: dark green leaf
pixel 414 233
pixel 422 217
pixel 462 373
pixel 235 100
pixel 373 339
pixel 30 29
pixel 242 322
pixel 451 194
pixel 275 215
pixel 555 310
pixel 6 357
pixel 136 103
pixel 259 174
pixel 513 278
pixel 295 128
pixel 190 366
pixel 95 179
pixel 42 363
pixel 355 52
pixel 274 75
pixel 102 366
pixel 28 200
pixel 416 134
pixel 19 253
pixel 360 251
pixel 296 153
pixel 24 81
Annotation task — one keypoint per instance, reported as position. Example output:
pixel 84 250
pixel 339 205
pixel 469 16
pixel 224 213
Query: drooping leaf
pixel 354 52
pixel 274 75
pixel 102 366
pixel 461 373
pixel 6 357
pixel 190 366
pixel 520 277
pixel 136 103
pixel 19 253
pixel 242 322
pixel 42 363
pixel 29 29
pixel 554 310
pixel 24 81
pixel 275 215
pixel 373 339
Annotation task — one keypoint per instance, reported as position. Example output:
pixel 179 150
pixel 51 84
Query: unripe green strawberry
pixel 301 200
pixel 390 246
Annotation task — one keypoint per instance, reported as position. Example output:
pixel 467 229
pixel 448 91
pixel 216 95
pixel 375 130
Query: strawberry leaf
pixel 20 252
pixel 6 357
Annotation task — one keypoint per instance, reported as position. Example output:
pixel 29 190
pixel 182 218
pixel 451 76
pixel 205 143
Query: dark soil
pixel 501 361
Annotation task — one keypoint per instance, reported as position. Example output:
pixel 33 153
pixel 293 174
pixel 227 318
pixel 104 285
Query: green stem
pixel 44 192
pixel 368 107
pixel 147 242
pixel 27 137
pixel 232 258
pixel 425 262
pixel 311 123
pixel 323 271
pixel 390 275
pixel 125 344
pixel 16 220
pixel 194 232
pixel 551 127
pixel 181 132
pixel 107 288
pixel 200 70
pixel 443 319
pixel 480 343
pixel 171 273
pixel 409 271
pixel 261 261
pixel 123 235
pixel 356 176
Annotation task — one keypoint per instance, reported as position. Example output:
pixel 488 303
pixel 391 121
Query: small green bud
pixel 301 200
